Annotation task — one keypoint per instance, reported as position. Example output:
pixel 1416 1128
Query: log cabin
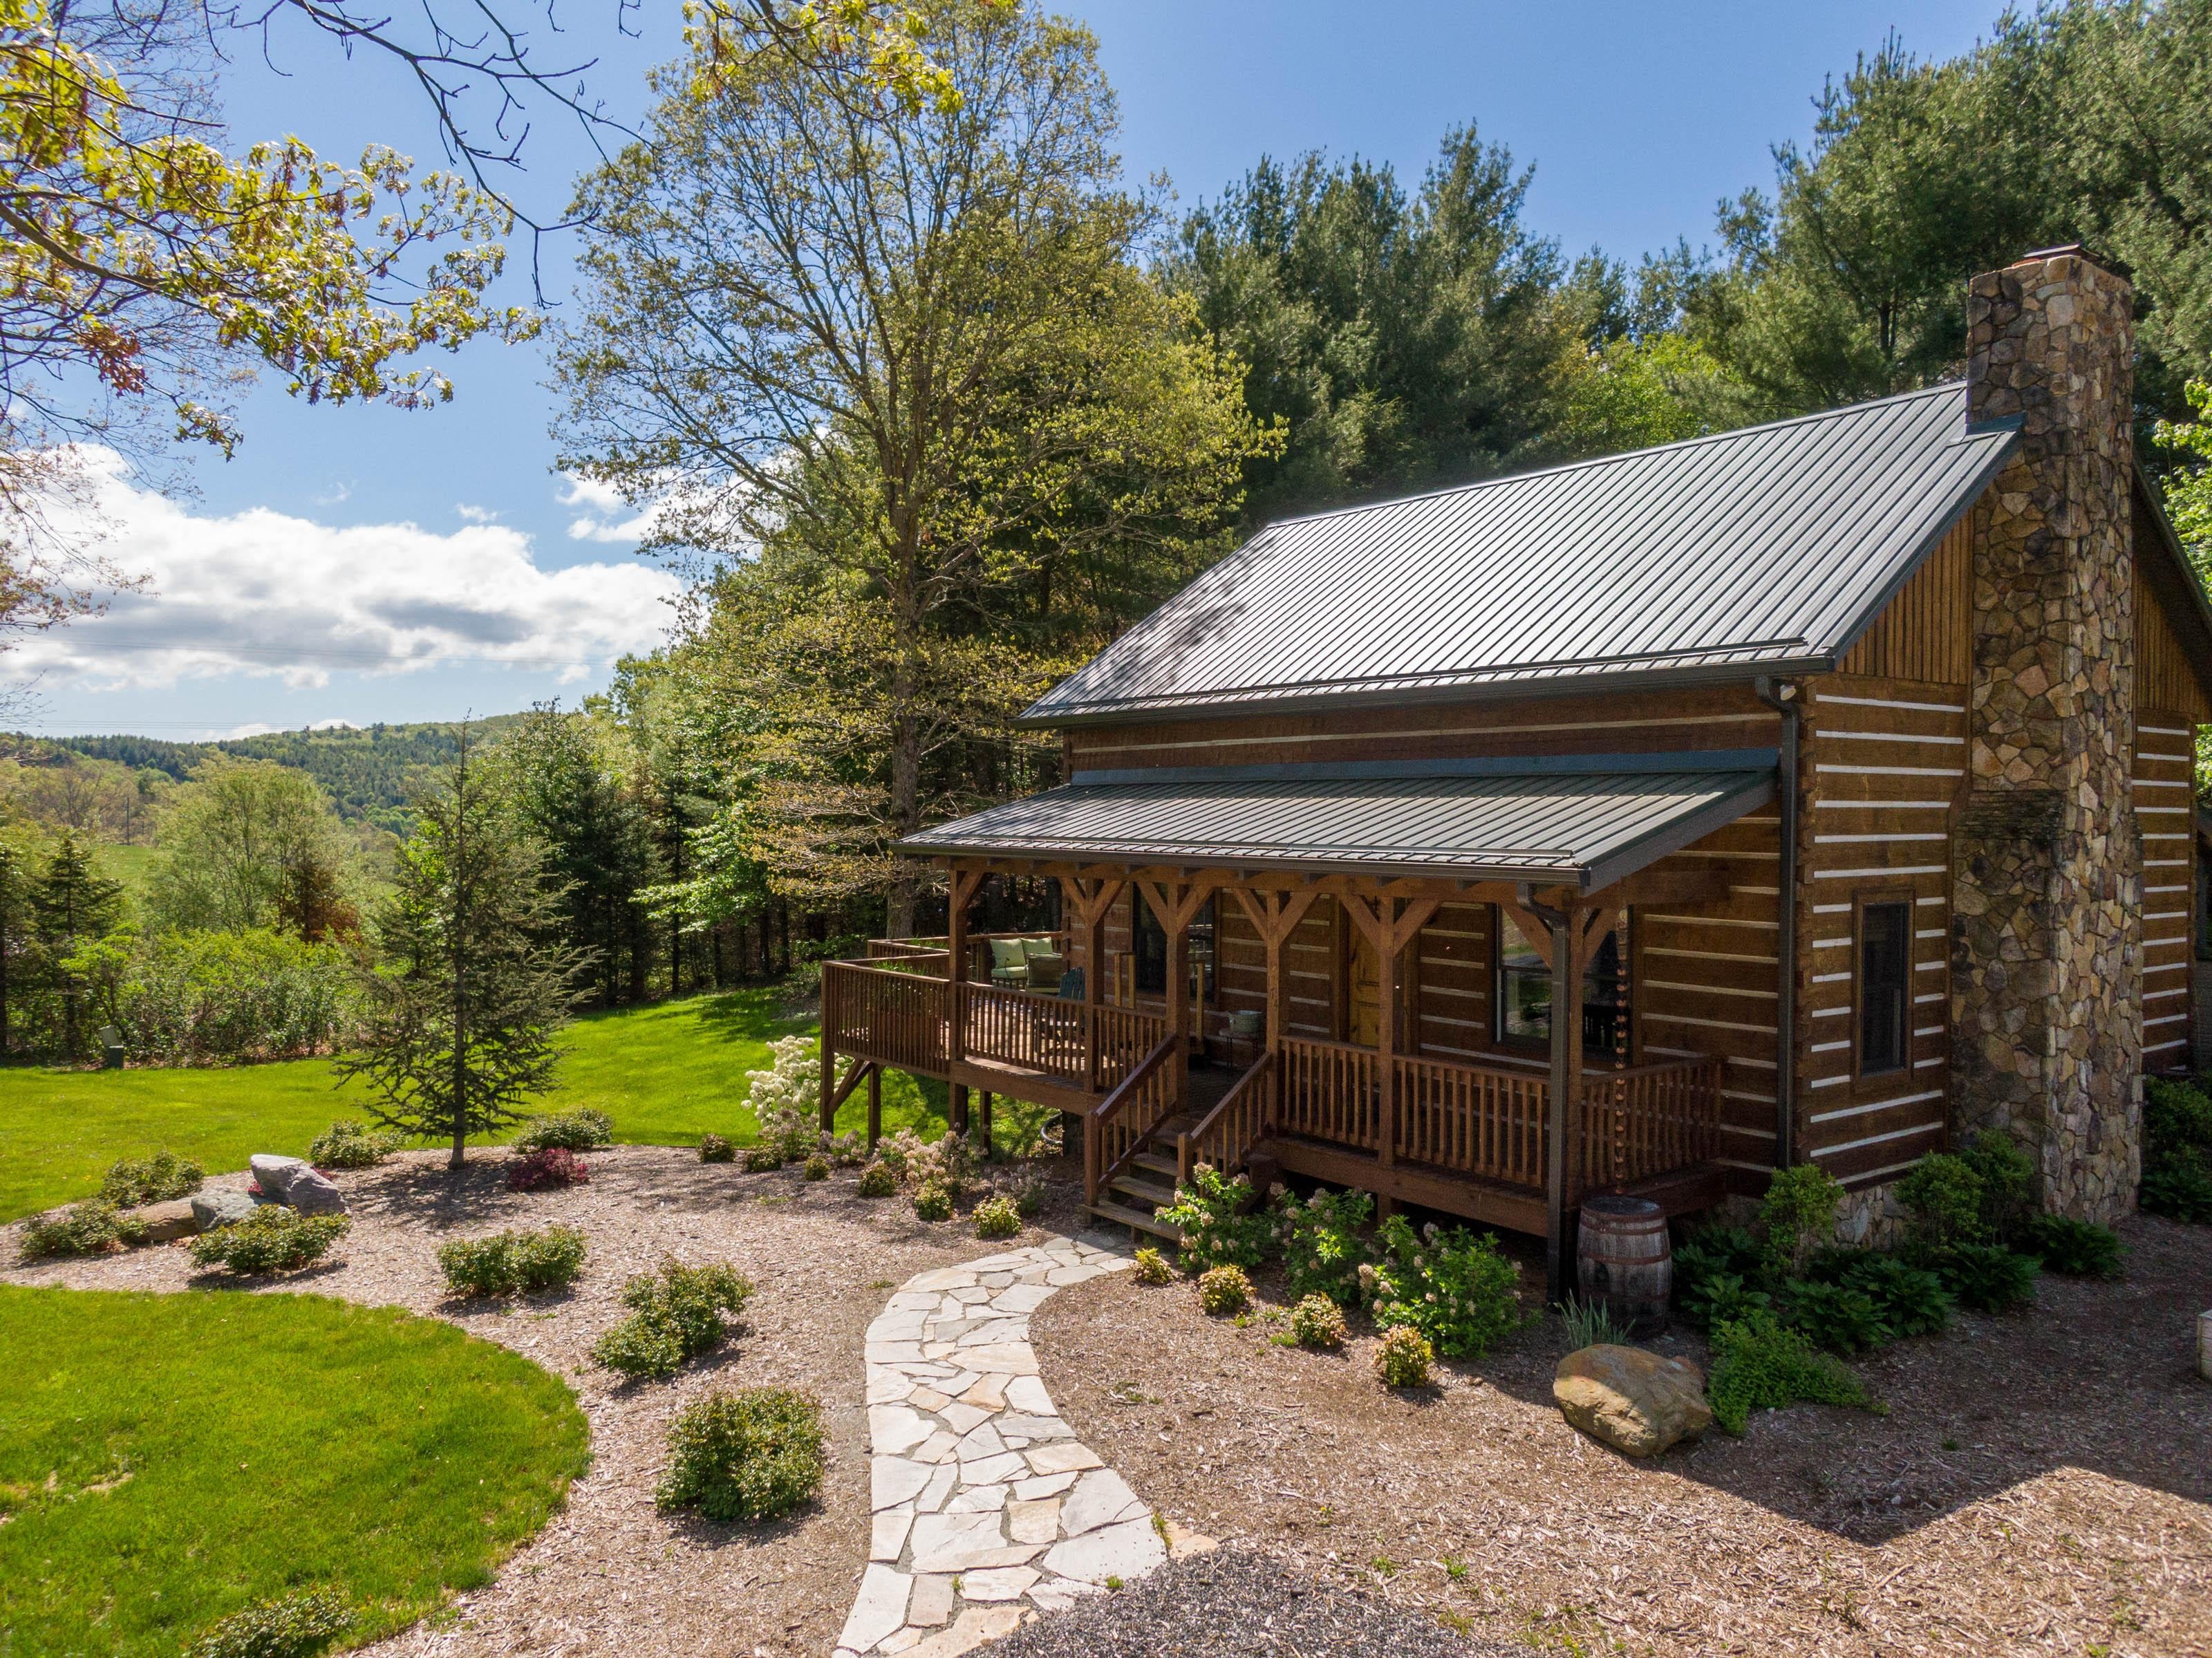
pixel 1821 791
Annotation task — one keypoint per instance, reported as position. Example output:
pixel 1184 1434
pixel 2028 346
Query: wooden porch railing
pixel 1472 1119
pixel 1238 1122
pixel 1033 1033
pixel 1329 1092
pixel 1646 1120
pixel 880 1013
pixel 1115 1131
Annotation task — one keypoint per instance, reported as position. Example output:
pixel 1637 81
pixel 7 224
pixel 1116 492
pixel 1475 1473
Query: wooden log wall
pixel 2165 766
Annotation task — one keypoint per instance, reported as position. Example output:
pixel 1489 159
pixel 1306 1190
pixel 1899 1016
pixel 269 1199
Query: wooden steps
pixel 1137 1220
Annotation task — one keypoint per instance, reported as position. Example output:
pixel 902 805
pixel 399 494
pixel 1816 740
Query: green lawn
pixel 168 1460
pixel 665 1073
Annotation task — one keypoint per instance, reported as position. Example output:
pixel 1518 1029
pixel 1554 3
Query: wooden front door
pixel 1363 999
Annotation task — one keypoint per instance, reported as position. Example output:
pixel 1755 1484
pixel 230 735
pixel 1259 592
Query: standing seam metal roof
pixel 1768 548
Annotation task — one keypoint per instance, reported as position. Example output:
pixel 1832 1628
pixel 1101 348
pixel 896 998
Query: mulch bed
pixel 2039 1483
pixel 1239 1601
pixel 611 1573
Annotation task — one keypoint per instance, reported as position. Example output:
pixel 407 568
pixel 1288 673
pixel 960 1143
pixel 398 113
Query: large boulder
pixel 220 1207
pixel 274 1175
pixel 1634 1400
pixel 312 1193
pixel 166 1223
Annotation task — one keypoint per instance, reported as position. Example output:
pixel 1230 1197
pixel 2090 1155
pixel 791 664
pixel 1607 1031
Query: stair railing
pixel 1225 1136
pixel 1118 1125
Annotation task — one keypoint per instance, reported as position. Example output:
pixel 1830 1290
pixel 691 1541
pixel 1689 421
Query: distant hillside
pixel 369 771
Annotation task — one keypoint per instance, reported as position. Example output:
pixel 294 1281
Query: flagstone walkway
pixel 986 1506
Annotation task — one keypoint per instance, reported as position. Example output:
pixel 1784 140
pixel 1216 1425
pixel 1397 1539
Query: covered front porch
pixel 1160 1083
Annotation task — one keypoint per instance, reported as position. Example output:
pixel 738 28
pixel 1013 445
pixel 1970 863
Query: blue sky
pixel 340 542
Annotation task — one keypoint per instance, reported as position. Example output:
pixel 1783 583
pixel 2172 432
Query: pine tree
pixel 73 905
pixel 19 886
pixel 461 1016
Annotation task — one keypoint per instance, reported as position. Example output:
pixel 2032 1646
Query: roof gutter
pixel 1787 701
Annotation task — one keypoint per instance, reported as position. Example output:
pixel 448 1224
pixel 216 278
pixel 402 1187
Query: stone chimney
pixel 2046 858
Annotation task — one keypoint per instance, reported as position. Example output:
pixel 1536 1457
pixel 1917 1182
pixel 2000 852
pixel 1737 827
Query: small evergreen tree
pixel 19 885
pixel 73 906
pixel 461 1015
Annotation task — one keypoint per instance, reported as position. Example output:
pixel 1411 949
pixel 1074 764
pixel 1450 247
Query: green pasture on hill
pixel 667 1073
pixel 165 1461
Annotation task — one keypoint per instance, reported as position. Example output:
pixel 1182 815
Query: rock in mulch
pixel 1635 1400
pixel 168 1222
pixel 291 1180
pixel 1239 1600
pixel 221 1207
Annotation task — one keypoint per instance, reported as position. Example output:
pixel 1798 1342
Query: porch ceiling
pixel 1584 827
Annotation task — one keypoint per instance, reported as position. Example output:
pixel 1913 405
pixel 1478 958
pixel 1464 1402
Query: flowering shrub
pixel 1404 1358
pixel 1318 1322
pixel 932 1202
pixel 1320 1244
pixel 1212 1213
pixel 877 1180
pixel 995 1218
pixel 1452 1286
pixel 1222 1290
pixel 541 1171
pixel 896 1152
pixel 949 1162
pixel 760 1159
pixel 713 1149
pixel 786 1098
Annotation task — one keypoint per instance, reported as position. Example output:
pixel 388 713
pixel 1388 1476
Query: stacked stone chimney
pixel 2047 861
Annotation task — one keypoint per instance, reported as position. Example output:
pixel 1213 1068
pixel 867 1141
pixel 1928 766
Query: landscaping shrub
pixel 897 1152
pixel 2006 1175
pixel 508 1263
pixel 1028 1197
pixel 713 1149
pixel 877 1180
pixel 949 1162
pixel 2177 1159
pixel 1449 1284
pixel 2074 1249
pixel 1839 1317
pixel 1988 1277
pixel 815 1167
pixel 295 1626
pixel 1759 1364
pixel 91 1227
pixel 996 1218
pixel 1943 1195
pixel 932 1202
pixel 1591 1324
pixel 761 1159
pixel 1214 1215
pixel 1320 1244
pixel 676 1314
pixel 1318 1322
pixel 351 1143
pixel 546 1170
pixel 272 1239
pixel 1909 1300
pixel 202 998
pixel 1799 1212
pixel 754 1455
pixel 134 1180
pixel 1222 1290
pixel 1718 1273
pixel 786 1098
pixel 1152 1266
pixel 583 1130
pixel 1404 1357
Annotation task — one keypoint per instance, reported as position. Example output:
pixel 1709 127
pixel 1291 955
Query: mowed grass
pixel 667 1073
pixel 168 1460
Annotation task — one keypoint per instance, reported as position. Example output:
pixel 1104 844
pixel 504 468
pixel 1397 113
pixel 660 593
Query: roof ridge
pixel 1941 386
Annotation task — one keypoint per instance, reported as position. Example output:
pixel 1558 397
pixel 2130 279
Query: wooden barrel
pixel 1625 1261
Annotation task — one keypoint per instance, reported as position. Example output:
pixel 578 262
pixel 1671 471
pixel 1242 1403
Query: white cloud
pixel 605 516
pixel 251 728
pixel 471 514
pixel 262 594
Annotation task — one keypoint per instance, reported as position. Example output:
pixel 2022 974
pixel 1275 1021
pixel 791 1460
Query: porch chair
pixel 1010 962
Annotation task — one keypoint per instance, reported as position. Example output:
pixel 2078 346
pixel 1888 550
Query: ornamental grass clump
pixel 1322 1244
pixel 713 1149
pixel 1215 1215
pixel 549 1170
pixel 583 1130
pixel 351 1143
pixel 1760 1364
pixel 272 1239
pixel 997 1217
pixel 676 1313
pixel 513 1262
pixel 1404 1358
pixel 1447 1282
pixel 132 1181
pixel 1222 1290
pixel 1590 1323
pixel 754 1455
pixel 1152 1267
pixel 296 1626
pixel 1317 1322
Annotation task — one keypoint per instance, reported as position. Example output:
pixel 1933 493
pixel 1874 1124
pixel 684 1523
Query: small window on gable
pixel 1885 985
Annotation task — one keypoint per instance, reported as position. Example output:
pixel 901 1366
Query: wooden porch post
pixel 1275 917
pixel 965 883
pixel 875 1105
pixel 1177 906
pixel 827 1047
pixel 1091 902
pixel 1566 1088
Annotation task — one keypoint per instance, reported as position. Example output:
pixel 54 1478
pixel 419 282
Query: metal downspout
pixel 1785 700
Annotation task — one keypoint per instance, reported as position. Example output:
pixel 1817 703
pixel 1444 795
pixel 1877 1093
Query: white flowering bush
pixel 1447 1282
pixel 949 1162
pixel 787 1098
pixel 1320 1241
pixel 1219 1225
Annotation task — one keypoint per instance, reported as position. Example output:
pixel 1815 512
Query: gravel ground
pixel 2040 1485
pixel 611 1573
pixel 1239 1600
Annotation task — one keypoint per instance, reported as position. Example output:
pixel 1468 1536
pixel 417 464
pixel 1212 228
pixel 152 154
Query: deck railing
pixel 1116 1128
pixel 1030 1032
pixel 1473 1119
pixel 877 1012
pixel 1646 1120
pixel 1329 1092
pixel 1225 1136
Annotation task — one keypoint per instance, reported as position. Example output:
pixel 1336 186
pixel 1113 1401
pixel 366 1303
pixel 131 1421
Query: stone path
pixel 986 1506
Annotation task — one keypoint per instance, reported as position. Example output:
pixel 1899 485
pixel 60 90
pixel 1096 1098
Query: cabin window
pixel 1885 985
pixel 1148 948
pixel 1524 992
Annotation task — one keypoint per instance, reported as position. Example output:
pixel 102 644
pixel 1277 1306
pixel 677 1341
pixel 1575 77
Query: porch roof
pixel 1586 822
